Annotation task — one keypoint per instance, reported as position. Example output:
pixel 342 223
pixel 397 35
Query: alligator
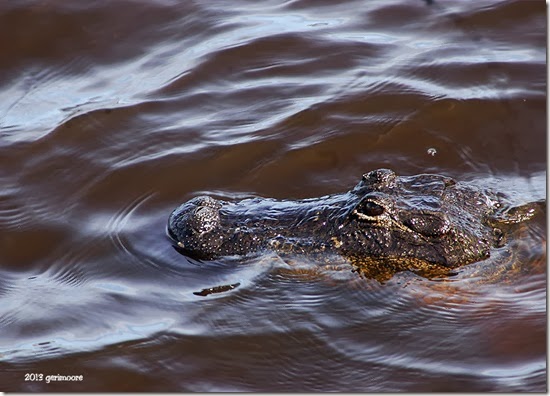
pixel 424 223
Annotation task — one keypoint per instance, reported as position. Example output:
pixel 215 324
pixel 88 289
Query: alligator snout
pixel 193 225
pixel 206 216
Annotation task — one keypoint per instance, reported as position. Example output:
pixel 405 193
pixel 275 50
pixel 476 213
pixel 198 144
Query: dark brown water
pixel 113 113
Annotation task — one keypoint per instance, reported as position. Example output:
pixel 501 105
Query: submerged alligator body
pixel 387 223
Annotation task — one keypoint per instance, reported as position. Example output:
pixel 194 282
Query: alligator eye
pixel 372 209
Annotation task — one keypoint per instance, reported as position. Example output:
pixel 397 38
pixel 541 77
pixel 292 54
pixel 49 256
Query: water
pixel 112 114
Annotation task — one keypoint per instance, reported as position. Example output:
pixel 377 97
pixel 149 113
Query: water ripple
pixel 108 123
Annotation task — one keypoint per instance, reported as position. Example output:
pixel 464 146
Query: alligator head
pixel 400 222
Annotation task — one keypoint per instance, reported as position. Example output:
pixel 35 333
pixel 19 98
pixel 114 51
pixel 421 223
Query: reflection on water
pixel 108 123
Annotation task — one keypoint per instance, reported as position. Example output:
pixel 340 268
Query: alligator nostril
pixel 205 219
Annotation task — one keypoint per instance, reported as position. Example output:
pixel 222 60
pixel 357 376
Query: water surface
pixel 112 114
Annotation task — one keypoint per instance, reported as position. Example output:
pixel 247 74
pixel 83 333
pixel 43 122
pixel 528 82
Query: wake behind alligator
pixel 426 223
